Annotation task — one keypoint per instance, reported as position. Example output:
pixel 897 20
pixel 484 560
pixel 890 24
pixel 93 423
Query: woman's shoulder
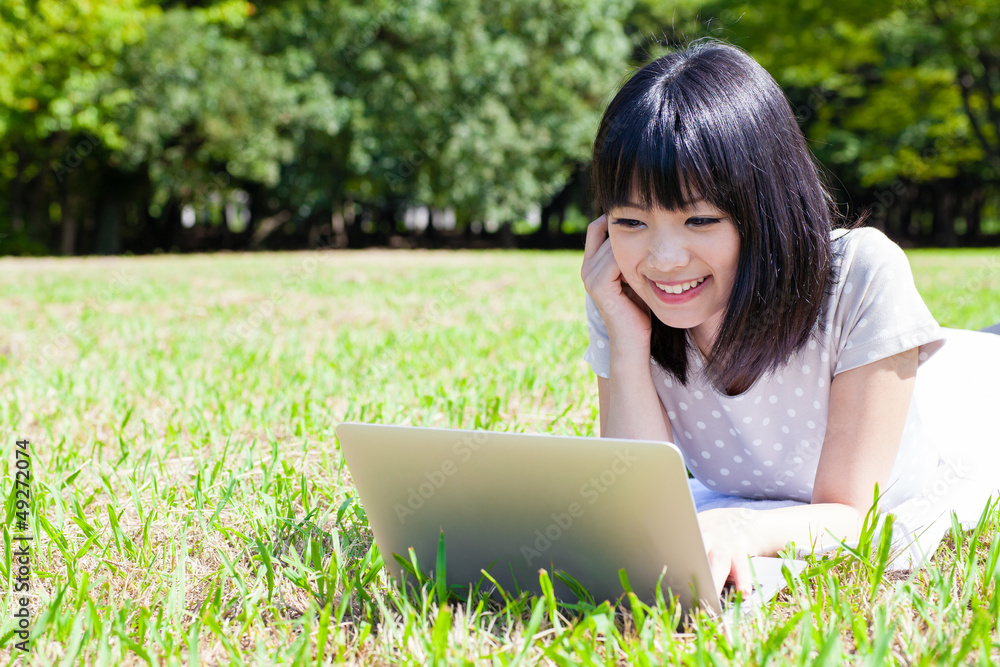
pixel 874 309
pixel 866 256
pixel 865 246
pixel 865 239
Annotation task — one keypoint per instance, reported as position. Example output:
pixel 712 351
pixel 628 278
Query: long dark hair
pixel 710 120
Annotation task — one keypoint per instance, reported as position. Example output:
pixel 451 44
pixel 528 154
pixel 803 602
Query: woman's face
pixel 681 263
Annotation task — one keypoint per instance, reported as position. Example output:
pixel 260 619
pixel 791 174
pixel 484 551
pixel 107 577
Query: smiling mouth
pixel 680 289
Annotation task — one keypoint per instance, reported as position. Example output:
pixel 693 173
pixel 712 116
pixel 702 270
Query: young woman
pixel 729 316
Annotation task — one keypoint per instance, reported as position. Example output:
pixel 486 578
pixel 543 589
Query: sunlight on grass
pixel 191 504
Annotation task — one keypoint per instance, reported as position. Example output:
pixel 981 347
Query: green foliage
pixel 879 87
pixel 114 115
pixel 480 106
pixel 55 53
pixel 200 108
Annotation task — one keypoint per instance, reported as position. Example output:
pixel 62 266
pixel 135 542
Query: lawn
pixel 190 503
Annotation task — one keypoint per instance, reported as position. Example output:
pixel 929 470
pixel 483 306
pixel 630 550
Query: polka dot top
pixel 765 443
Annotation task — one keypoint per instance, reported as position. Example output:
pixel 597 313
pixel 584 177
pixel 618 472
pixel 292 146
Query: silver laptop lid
pixel 513 503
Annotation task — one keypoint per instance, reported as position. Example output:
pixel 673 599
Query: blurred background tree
pixel 55 56
pixel 139 126
pixel 900 100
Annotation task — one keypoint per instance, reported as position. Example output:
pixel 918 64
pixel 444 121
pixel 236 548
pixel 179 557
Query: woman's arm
pixel 630 407
pixel 868 407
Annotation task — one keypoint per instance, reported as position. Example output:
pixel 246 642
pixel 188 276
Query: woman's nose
pixel 668 252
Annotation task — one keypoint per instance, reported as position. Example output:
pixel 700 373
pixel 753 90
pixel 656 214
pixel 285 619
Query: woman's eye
pixel 701 222
pixel 627 222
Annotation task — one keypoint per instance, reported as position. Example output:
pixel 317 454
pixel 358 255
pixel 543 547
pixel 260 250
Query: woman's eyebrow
pixel 639 207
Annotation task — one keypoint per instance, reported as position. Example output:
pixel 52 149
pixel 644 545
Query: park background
pixel 190 504
pixel 129 126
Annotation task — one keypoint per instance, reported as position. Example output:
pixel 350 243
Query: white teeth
pixel 678 289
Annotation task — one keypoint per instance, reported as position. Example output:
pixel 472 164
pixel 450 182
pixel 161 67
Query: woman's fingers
pixel 625 315
pixel 741 575
pixel 721 566
pixel 597 233
pixel 636 299
pixel 728 557
pixel 730 565
pixel 599 266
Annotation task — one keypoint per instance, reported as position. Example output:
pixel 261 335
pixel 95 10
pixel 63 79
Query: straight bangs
pixel 650 157
pixel 709 123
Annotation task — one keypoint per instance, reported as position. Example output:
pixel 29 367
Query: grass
pixel 191 505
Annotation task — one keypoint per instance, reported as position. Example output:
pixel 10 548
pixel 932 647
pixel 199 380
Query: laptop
pixel 514 503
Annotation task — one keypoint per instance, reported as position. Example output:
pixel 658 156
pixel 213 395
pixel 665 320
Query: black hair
pixel 709 121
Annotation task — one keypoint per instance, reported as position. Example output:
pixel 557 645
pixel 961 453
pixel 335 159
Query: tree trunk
pixel 107 239
pixel 16 194
pixel 899 222
pixel 166 226
pixel 943 226
pixel 37 213
pixel 320 229
pixel 430 238
pixel 68 214
pixel 506 234
pixel 338 226
pixel 974 215
pixel 542 237
pixel 352 224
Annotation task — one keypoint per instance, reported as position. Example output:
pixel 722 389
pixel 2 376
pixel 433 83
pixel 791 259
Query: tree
pixel 479 106
pixel 204 113
pixel 55 53
pixel 896 98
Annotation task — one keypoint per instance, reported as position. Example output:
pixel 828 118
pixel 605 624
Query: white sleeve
pixel 879 311
pixel 598 353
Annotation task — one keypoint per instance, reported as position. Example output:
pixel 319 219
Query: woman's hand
pixel 726 533
pixel 625 315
